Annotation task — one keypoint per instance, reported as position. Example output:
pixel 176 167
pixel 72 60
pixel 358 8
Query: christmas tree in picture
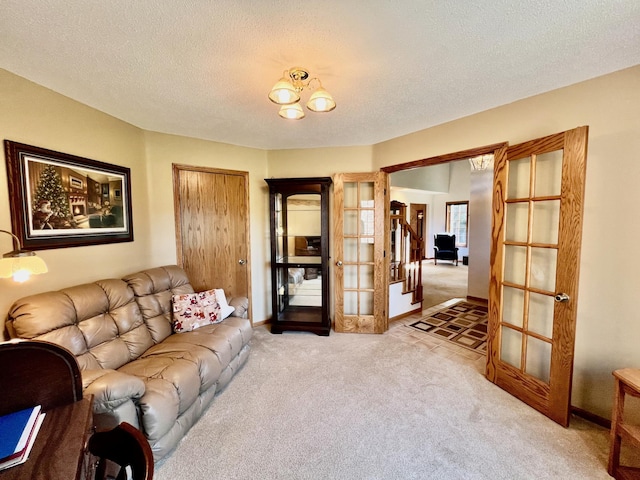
pixel 50 203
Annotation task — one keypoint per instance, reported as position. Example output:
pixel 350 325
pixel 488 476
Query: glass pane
pixel 538 359
pixel 546 222
pixel 350 303
pixel 515 263
pixel 279 248
pixel 456 222
pixel 303 215
pixel 511 346
pixel 350 194
pixel 517 222
pixel 366 303
pixel 366 249
pixel 543 269
pixel 350 276
pixel 351 222
pixel 541 314
pixel 549 173
pixel 305 287
pixel 281 288
pixel 367 219
pixel 366 276
pixel 513 306
pixel 350 250
pixel 366 194
pixel 518 181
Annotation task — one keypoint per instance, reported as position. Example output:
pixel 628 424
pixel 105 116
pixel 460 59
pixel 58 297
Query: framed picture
pixel 60 200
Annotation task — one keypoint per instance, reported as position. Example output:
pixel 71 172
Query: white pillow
pixel 225 308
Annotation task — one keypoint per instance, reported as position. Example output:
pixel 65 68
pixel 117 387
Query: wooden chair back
pixel 37 373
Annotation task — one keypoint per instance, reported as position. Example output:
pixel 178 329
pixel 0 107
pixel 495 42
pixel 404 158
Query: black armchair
pixel 444 248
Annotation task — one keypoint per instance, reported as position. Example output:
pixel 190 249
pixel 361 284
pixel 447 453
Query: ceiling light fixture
pixel 481 162
pixel 286 92
pixel 20 264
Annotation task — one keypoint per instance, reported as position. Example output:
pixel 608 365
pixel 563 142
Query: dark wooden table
pixel 59 451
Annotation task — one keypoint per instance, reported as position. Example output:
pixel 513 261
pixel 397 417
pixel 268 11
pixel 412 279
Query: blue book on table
pixel 15 430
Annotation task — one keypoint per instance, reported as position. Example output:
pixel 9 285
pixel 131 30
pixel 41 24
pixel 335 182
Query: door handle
pixel 561 297
pixel 242 261
pixel 339 263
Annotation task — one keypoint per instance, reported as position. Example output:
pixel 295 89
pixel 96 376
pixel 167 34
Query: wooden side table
pixel 627 383
pixel 59 452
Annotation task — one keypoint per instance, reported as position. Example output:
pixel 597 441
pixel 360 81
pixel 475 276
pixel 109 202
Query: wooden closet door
pixel 212 228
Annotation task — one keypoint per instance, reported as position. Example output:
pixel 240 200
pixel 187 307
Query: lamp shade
pixel 321 101
pixel 21 267
pixel 284 93
pixel 20 264
pixel 291 112
pixel 481 162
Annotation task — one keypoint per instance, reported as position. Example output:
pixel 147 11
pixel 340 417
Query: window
pixel 458 221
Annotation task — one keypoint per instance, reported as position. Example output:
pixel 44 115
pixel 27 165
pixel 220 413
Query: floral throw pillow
pixel 194 310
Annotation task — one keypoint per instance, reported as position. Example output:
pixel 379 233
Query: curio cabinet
pixel 299 211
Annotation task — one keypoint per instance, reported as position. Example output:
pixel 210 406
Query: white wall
pixel 480 198
pixel 459 188
pixel 435 178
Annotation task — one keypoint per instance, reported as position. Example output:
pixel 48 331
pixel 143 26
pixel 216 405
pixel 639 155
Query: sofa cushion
pixel 153 290
pixel 100 322
pixel 174 375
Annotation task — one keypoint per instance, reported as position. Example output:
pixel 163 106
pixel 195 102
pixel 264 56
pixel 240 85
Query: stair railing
pixel 406 257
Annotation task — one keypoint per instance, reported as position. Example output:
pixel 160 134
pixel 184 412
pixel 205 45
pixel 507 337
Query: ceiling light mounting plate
pixel 298 74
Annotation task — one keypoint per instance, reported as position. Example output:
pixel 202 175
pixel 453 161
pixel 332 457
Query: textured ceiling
pixel 204 68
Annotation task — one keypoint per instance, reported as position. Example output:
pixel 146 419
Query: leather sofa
pixel 136 368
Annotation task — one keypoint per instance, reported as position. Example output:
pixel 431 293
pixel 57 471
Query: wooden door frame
pixel 176 168
pixel 494 148
pixel 449 157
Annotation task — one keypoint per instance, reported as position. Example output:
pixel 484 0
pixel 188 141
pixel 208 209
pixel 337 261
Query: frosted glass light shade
pixel 22 266
pixel 284 93
pixel 481 162
pixel 321 101
pixel 291 112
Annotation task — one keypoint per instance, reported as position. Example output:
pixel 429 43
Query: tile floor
pixel 402 330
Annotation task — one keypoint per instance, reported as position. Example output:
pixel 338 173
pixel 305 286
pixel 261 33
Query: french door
pixel 360 202
pixel 535 257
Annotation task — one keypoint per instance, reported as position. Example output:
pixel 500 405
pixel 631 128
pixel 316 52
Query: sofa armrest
pixel 241 305
pixel 110 388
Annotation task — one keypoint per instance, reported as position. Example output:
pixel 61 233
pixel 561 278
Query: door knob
pixel 339 263
pixel 561 297
pixel 242 261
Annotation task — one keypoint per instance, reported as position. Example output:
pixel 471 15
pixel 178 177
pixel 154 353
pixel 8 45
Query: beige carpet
pixel 443 282
pixel 353 406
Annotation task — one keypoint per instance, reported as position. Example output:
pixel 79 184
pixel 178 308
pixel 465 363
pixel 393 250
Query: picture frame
pixel 58 200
